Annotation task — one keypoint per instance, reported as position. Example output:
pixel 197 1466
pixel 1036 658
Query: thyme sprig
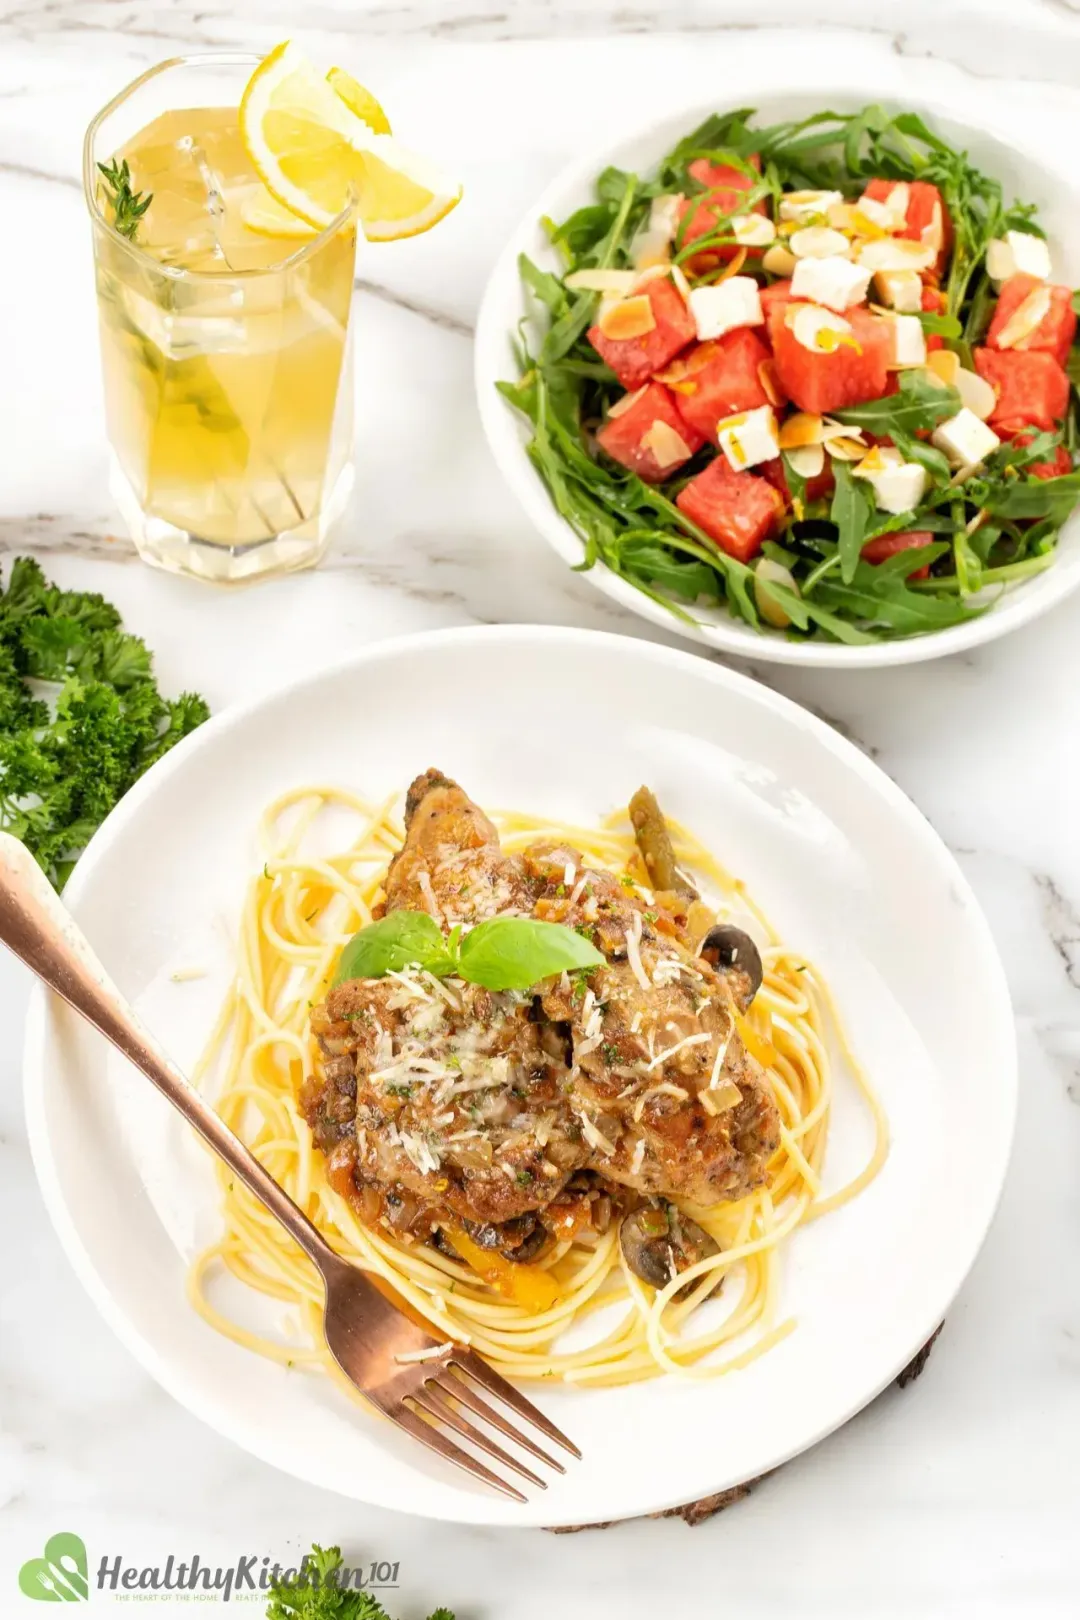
pixel 128 206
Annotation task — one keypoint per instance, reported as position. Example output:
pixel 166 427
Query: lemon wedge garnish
pixel 261 212
pixel 316 155
pixel 358 100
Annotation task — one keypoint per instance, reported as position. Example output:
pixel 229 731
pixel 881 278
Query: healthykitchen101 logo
pixel 61 1574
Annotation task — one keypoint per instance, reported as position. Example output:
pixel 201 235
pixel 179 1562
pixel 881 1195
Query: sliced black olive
pixel 733 953
pixel 658 1242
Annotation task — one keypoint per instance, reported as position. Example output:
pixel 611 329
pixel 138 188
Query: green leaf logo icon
pixel 60 1576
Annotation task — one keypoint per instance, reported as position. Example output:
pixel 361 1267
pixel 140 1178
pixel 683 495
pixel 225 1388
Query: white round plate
pixel 569 723
pixel 964 120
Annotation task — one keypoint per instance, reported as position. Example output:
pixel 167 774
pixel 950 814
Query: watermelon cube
pixel 887 545
pixel 924 203
pixel 1031 388
pixel 647 435
pixel 718 379
pixel 1059 464
pixel 736 509
pixel 1054 333
pixel 821 382
pixel 634 359
pixel 777 296
pixel 704 211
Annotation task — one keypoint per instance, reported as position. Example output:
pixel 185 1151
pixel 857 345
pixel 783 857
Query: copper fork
pixel 426 1385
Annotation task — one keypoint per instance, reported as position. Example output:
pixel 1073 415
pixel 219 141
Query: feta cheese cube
pixel 836 282
pixel 965 440
pixel 898 485
pixel 753 230
pixel 901 290
pixel 802 206
pixel 909 340
pixel 749 438
pixel 1018 253
pixel 731 303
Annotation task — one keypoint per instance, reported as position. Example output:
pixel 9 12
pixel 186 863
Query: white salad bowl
pixel 963 120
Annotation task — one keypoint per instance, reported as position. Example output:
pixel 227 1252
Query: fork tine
pixel 407 1419
pixel 465 1361
pixel 433 1399
pixel 464 1393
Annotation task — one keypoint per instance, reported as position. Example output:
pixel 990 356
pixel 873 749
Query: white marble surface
pixel 957 1498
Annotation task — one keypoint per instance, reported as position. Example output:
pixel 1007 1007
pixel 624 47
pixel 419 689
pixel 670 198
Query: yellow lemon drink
pixel 225 312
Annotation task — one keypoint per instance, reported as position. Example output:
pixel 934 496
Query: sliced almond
pixel 778 261
pixel 873 218
pixel 975 392
pixel 809 461
pixel 1025 320
pixel 649 249
pixel 602 281
pixel 840 215
pixel 770 383
pixel 665 445
pixel 876 460
pixel 753 230
pixel 933 234
pixel 621 406
pixel 820 330
pixel 896 253
pixel 656 272
pixel 818 242
pixel 944 363
pixel 629 318
pixel 898 203
pixel 766 573
pixel 846 448
pixel 801 429
pixel 685 365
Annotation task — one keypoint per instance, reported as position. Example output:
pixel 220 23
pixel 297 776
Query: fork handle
pixel 39 929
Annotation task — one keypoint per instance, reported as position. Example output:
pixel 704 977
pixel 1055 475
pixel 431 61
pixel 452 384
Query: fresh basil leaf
pixel 514 953
pixel 919 403
pixel 1075 302
pixel 400 939
pixel 851 512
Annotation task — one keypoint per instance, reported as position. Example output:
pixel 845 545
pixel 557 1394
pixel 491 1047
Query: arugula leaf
pixel 920 402
pixel 1023 499
pixel 514 953
pixel 399 940
pixel 851 512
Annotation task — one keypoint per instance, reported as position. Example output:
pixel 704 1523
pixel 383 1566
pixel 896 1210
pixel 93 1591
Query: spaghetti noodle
pixel 605 1326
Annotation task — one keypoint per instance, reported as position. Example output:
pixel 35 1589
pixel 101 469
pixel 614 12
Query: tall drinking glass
pixel 226 350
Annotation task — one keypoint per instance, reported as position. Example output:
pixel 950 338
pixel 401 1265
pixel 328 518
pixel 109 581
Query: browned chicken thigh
pixel 509 1113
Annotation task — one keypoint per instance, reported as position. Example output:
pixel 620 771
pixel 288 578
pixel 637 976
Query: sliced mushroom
pixel 658 1242
pixel 734 955
pixel 519 1239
